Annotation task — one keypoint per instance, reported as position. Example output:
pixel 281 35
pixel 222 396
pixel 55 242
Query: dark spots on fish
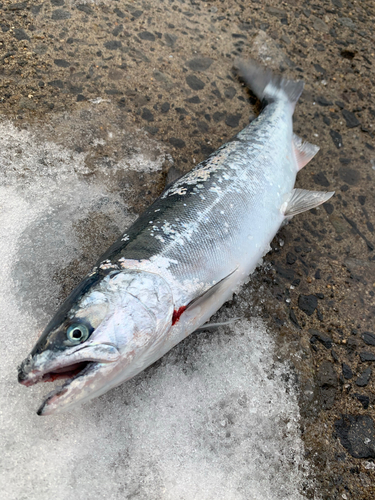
pixel 118 30
pixel 177 314
pixel 319 47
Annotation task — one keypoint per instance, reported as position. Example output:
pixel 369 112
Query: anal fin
pixel 303 150
pixel 301 200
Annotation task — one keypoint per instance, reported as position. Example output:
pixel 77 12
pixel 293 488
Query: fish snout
pixel 27 374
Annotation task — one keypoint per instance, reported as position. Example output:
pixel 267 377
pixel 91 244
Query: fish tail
pixel 266 85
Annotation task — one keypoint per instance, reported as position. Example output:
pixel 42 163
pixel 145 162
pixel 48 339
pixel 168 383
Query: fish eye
pixel 77 333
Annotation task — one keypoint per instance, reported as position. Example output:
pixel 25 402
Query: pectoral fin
pixel 301 200
pixel 304 151
pixel 201 300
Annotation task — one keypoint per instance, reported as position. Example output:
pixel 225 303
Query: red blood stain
pixel 176 314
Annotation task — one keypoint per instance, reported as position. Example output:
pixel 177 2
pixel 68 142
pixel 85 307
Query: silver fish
pixel 182 259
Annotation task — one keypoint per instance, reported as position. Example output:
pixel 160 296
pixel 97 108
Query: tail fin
pixel 267 85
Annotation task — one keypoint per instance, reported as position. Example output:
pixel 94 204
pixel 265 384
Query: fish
pixel 182 259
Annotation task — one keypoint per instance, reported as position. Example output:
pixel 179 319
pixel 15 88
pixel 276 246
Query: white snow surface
pixel 215 419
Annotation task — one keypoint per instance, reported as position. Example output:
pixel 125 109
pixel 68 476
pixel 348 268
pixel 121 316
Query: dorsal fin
pixel 303 150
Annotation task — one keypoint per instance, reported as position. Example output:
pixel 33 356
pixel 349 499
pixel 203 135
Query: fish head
pixel 104 333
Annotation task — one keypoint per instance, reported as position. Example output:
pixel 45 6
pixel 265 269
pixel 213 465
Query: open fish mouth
pixel 83 371
pixel 66 372
pixel 54 401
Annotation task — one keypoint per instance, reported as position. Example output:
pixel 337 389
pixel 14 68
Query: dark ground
pixel 166 67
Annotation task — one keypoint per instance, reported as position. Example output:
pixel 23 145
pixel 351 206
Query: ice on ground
pixel 216 418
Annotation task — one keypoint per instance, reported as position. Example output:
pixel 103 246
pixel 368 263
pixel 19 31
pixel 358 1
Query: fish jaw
pixel 98 378
pixel 77 363
pixel 90 383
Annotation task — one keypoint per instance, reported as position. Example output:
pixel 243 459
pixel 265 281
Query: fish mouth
pixel 83 371
pixel 66 372
pixel 52 402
